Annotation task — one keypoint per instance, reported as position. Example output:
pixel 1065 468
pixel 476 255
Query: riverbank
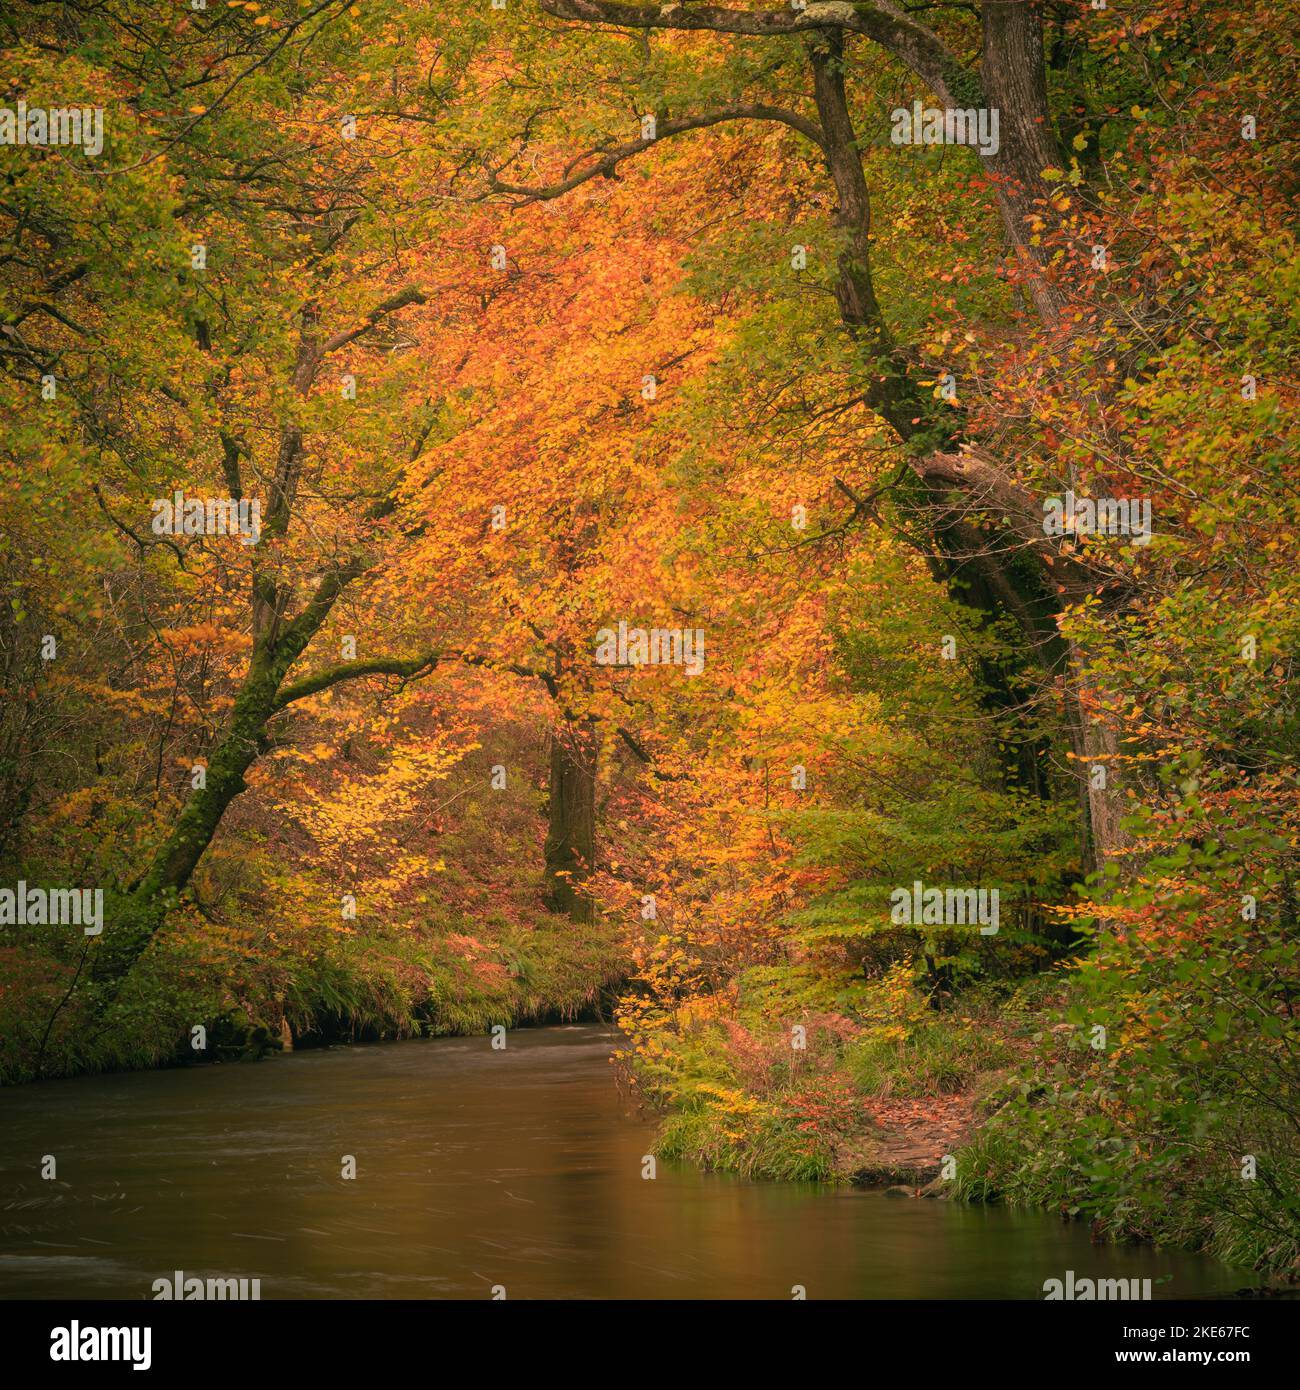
pixel 207 993
pixel 797 1072
pixel 999 1098
pixel 804 1072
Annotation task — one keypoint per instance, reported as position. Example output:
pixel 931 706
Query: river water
pixel 475 1169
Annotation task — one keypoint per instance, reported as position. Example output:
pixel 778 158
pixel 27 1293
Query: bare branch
pixel 410 295
pixel 127 531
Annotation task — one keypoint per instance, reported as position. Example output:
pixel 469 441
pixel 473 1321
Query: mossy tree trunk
pixel 279 640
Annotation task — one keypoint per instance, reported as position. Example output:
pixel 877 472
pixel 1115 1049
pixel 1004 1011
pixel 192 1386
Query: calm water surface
pixel 475 1168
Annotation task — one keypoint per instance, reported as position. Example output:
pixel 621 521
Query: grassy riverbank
pixel 251 996
pixel 997 1098
pixel 875 1087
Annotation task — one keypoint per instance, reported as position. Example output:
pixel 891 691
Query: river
pixel 517 1170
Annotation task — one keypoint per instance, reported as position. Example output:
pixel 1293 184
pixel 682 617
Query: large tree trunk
pixel 571 835
pixel 890 391
pixel 982 571
pixel 995 572
pixel 1015 85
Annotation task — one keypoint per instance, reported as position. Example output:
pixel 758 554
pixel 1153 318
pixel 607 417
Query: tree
pixel 258 202
pixel 1008 566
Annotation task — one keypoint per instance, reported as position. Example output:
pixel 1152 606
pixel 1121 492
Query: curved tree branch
pixel 912 43
pixel 607 161
pixel 407 667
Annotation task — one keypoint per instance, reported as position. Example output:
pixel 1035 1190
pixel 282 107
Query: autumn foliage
pixel 523 324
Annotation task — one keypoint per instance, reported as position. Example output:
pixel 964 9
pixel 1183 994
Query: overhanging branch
pixel 608 160
pixel 407 667
pixel 912 43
